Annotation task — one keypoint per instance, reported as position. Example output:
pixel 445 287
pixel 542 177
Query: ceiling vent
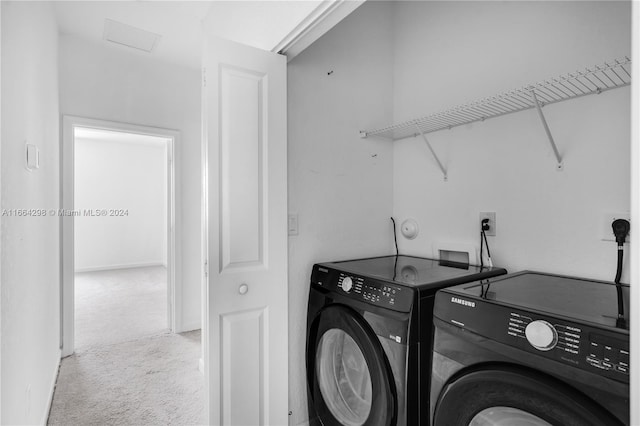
pixel 126 35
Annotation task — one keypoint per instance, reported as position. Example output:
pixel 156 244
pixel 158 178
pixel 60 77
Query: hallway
pixel 127 368
pixel 149 381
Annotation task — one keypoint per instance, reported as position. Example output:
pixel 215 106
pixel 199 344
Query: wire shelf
pixel 594 80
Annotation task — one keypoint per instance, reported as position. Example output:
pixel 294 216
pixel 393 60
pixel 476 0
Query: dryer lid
pixel 588 300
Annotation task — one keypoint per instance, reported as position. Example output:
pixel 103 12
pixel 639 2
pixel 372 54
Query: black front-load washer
pixel 530 348
pixel 369 336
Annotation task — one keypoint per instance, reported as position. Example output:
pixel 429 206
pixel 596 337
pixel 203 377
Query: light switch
pixel 33 157
pixel 292 224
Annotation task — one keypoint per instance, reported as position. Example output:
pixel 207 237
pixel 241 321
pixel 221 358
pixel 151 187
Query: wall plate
pixel 449 250
pixel 606 219
pixel 492 223
pixel 292 223
pixel 32 156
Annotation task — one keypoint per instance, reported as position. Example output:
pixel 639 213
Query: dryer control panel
pixel 364 289
pixel 577 344
pixel 600 350
pixel 609 354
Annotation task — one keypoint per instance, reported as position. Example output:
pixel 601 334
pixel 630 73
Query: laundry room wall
pixel 112 83
pixel 449 53
pixel 120 175
pixel 30 241
pixel 339 185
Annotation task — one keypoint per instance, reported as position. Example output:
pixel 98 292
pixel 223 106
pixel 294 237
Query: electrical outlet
pixel 606 232
pixel 491 232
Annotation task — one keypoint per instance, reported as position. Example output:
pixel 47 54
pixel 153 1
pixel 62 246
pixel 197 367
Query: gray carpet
pixel 149 381
pixel 127 369
pixel 119 305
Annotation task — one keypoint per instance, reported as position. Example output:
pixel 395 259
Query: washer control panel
pixel 364 289
pixel 346 284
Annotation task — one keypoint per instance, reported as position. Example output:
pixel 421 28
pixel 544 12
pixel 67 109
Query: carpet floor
pixel 119 305
pixel 128 369
pixel 145 382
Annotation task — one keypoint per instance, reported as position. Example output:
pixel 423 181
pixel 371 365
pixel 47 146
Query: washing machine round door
pixel 349 376
pixel 515 397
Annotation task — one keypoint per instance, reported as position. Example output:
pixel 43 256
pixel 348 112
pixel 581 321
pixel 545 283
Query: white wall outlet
pixel 491 232
pixel 606 231
pixel 292 224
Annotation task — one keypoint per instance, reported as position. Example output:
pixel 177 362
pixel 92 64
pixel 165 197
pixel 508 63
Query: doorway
pixel 113 233
pixel 120 236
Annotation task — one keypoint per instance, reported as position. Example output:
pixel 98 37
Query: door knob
pixel 243 289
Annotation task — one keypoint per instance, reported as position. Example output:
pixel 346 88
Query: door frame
pixel 67 261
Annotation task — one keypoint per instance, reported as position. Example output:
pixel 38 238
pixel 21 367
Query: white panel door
pixel 245 144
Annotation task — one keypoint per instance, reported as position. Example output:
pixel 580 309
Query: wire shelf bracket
pixel 435 156
pixel 590 81
pixel 559 164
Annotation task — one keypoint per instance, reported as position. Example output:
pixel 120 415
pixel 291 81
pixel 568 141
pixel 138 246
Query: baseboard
pixel 190 327
pixel 121 266
pixel 52 389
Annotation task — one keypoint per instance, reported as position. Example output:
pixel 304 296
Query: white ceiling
pixel 262 24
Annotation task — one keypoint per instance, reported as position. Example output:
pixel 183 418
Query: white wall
pixel 30 245
pixel 447 53
pixel 394 61
pixel 339 184
pixel 113 176
pixel 115 85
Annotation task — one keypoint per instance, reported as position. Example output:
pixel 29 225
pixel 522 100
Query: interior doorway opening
pixel 121 236
pixel 118 233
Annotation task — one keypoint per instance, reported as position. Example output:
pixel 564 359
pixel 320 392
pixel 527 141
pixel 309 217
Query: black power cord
pixel 484 226
pixel 620 230
pixel 395 239
pixel 395 236
pixel 481 254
